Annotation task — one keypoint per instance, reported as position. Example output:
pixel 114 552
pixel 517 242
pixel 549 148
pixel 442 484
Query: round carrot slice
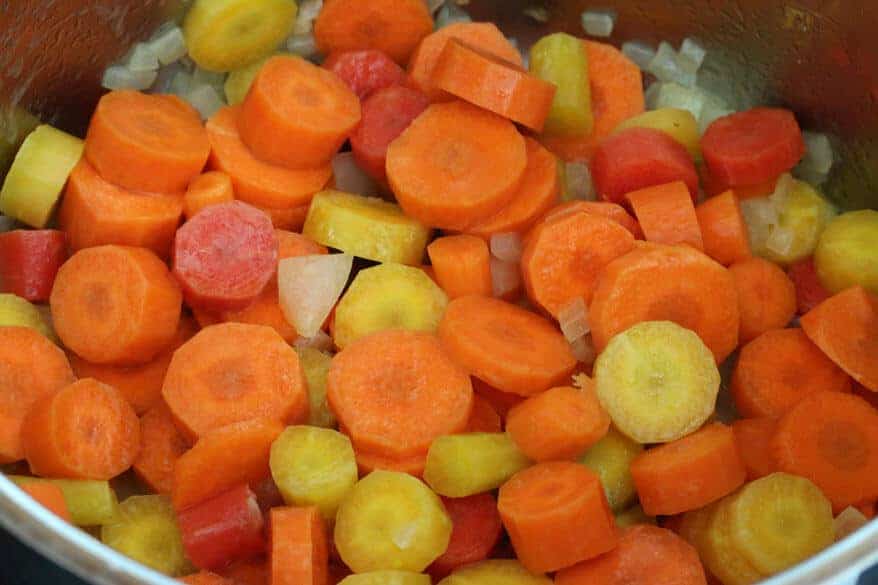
pixel 256 182
pixel 146 142
pixel 606 209
pixel 766 297
pixel 85 431
pixel 667 283
pixel 31 367
pixel 207 189
pixel 456 164
pixel 94 212
pixel 539 190
pixel 395 391
pixel 224 256
pixel 511 349
pixel 723 230
pixel 491 83
pixel 115 305
pixel 297 114
pixel 234 372
pixel 564 257
pixel 365 71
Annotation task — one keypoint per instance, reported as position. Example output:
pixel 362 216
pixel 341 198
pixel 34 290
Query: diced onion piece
pixel 309 287
pixel 143 58
pixel 761 216
pixel 538 13
pixel 818 155
pixel 451 13
pixel 579 182
pixel 780 240
pixel 169 45
pixel 321 341
pixel 665 67
pixel 308 12
pixel 506 247
pixel 782 190
pixel 639 52
pixel 505 277
pixel 6 223
pixel 206 99
pixel 573 319
pixel 674 95
pixel 204 77
pixel 691 52
pixel 180 84
pixel 583 350
pixel 120 77
pixel 599 23
pixel 302 45
pixel 166 78
pixel 350 178
pixel 849 521
pixel 810 176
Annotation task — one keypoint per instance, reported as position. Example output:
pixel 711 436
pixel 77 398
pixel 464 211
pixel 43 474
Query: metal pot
pixel 817 57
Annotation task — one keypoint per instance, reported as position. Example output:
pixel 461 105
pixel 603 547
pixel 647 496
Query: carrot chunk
pixel 810 292
pixel 603 208
pixel 299 548
pixel 723 230
pixel 753 435
pixel 161 446
pixel 666 215
pixel 365 71
pixel 49 496
pixel 462 265
pixel 766 297
pixel 476 530
pixel 208 189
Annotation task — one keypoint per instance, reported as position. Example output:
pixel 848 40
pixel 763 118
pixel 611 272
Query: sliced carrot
pixel 205 578
pixel 845 327
pixel 412 464
pixel 494 84
pixel 810 292
pixel 832 439
pixel 616 95
pixel 296 114
pixel 563 258
pixel 395 391
pixel 290 219
pixel 223 458
pixel 94 212
pixel 667 283
pixel 723 229
pixel 561 423
pixel 753 436
pixel 645 555
pixel 365 71
pixel 606 209
pixel 161 447
pixel 667 215
pixel 501 402
pixel 766 297
pixel 49 496
pixel 689 473
pixel 483 419
pixel 207 189
pixel 234 372
pixel 116 305
pixel 538 191
pixel 476 530
pixel 299 553
pixel 456 164
pixel 462 265
pixel 140 385
pixel 778 369
pixel 392 26
pixel 511 349
pixel 31 367
pixel 254 181
pixel 146 142
pixel 85 431
pixel 556 515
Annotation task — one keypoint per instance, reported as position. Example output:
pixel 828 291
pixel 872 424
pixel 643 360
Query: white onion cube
pixel 639 52
pixel 573 319
pixel 599 23
pixel 583 350
pixel 309 287
pixel 302 45
pixel 169 45
pixel 305 17
pixel 579 181
pixel 693 52
pixel 818 155
pixel 206 99
pixel 505 277
pixel 142 58
pixel 120 77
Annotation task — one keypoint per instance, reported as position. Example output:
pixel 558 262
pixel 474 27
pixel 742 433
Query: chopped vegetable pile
pixel 346 293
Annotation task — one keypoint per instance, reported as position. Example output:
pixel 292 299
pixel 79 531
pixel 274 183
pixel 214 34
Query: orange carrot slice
pixel 667 215
pixel 606 209
pixel 766 295
pixel 723 229
pixel 753 436
pixel 299 549
pixel 161 447
pixel 462 265
pixel 49 496
pixel 207 189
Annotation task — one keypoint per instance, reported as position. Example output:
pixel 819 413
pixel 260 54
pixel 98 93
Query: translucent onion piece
pixel 308 12
pixel 505 277
pixel 180 84
pixel 573 319
pixel 166 77
pixel 506 247
pixel 780 241
pixel 204 77
pixel 142 58
pixel 303 45
pixel 168 44
pixel 674 95
pixel 206 99
pixel 849 521
pixel 309 287
pixel 120 77
pixel 599 23
pixel 761 216
pixel 579 183
pixel 782 190
pixel 818 156
pixel 639 52
pixel 665 67
pixel 350 178
pixel 583 350
pixel 451 13
pixel 321 341
pixel 691 52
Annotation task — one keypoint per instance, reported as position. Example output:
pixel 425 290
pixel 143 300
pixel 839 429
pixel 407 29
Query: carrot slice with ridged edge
pixel 161 446
pixel 462 265
pixel 667 215
pixel 606 209
pixel 767 297
pixel 456 164
pixel 723 230
pixel 207 189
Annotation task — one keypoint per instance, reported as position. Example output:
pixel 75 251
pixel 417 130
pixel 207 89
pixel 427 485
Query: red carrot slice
pixel 161 446
pixel 365 71
pixel 29 261
pixel 476 530
pixel 810 292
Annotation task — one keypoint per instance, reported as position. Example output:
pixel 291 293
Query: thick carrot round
pixel 723 230
pixel 484 35
pixel 845 327
pixel 667 283
pixel 161 446
pixel 476 530
pixel 116 305
pixel 603 208
pixel 511 349
pixel 753 437
pixel 538 191
pixel 146 142
pixel 49 496
pixel 282 190
pixel 561 423
pixel 296 114
pixel 299 547
pixel 556 515
pixel 222 459
pixel 778 369
pixel 234 372
pixel 365 71
pixel 832 439
pixel 810 292
pixel 462 265
pixel 94 212
pixel 484 418
pixel 645 555
pixel 564 257
pixel 616 95
pixel 766 295
pixel 494 84
pixel 392 26
pixel 31 367
pixel 456 164
pixel 690 472
pixel 85 431
pixel 395 391
pixel 667 215
pixel 207 189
